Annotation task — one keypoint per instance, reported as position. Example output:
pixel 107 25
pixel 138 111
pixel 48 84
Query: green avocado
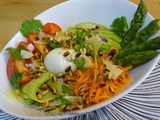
pixel 109 38
pixel 31 88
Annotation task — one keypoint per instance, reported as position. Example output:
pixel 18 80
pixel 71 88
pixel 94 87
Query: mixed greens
pixel 103 53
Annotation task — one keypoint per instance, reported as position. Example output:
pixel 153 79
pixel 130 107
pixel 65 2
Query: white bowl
pixel 67 14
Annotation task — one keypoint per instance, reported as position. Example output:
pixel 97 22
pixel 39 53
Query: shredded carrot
pixel 109 52
pixel 102 67
pixel 95 69
pixel 78 73
pixel 94 87
pixel 128 68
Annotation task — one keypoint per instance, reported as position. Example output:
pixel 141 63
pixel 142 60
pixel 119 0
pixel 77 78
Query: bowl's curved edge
pixel 155 60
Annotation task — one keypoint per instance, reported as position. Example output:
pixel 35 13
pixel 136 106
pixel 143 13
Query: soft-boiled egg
pixel 59 59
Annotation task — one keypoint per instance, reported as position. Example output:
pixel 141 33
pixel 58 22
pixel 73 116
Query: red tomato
pixel 10 64
pixel 20 67
pixel 10 67
pixel 39 47
pixel 17 65
pixel 26 78
pixel 23 44
pixel 32 38
pixel 51 28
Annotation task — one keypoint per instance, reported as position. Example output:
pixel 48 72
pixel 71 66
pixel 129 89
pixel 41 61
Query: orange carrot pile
pixel 94 87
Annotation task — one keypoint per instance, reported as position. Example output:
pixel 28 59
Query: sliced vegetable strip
pixel 30 89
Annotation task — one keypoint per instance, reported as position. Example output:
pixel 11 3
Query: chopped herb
pixel 79 46
pixel 16 52
pixel 38 71
pixel 53 45
pixel 120 26
pixel 15 78
pixel 30 26
pixel 79 63
pixel 80 34
pixel 92 54
pixel 67 89
pixel 63 101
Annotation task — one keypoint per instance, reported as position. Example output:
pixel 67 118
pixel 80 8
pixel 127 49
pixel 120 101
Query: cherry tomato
pixel 51 28
pixel 26 78
pixel 39 47
pixel 20 67
pixel 17 65
pixel 10 66
pixel 23 44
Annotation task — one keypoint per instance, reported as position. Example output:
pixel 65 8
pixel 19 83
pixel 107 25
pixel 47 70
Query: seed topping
pixel 66 53
pixel 67 69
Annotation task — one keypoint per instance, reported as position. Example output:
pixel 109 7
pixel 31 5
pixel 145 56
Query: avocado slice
pixel 31 88
pixel 109 38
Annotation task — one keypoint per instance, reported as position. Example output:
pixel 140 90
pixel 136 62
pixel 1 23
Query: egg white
pixel 56 63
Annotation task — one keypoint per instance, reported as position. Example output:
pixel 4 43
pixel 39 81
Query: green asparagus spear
pixel 141 37
pixel 136 23
pixel 152 44
pixel 144 34
pixel 137 58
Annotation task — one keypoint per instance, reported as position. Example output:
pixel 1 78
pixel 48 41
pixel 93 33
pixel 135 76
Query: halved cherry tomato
pixel 32 38
pixel 17 65
pixel 10 66
pixel 10 63
pixel 51 28
pixel 23 44
pixel 26 78
pixel 20 67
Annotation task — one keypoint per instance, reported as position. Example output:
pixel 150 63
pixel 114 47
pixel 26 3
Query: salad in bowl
pixel 58 70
